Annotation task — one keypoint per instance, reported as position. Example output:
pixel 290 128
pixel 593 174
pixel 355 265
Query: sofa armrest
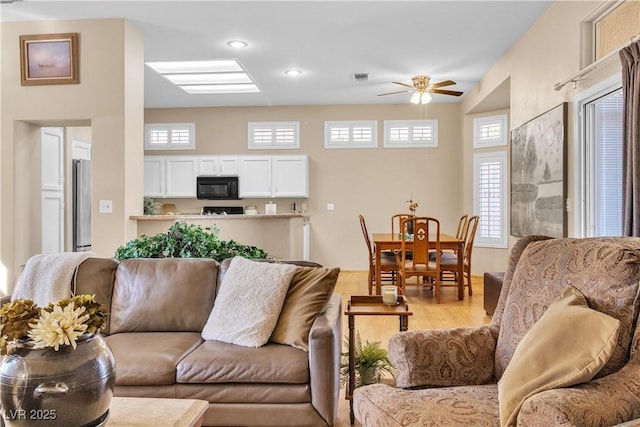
pixel 325 345
pixel 444 357
pixel 606 401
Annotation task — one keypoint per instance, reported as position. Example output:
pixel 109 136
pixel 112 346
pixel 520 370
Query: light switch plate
pixel 106 206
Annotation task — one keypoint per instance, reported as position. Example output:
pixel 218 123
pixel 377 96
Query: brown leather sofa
pixel 158 308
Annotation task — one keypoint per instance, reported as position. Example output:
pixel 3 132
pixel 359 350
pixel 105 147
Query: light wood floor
pixel 450 313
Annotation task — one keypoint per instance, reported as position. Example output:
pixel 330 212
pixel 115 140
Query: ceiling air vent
pixel 361 77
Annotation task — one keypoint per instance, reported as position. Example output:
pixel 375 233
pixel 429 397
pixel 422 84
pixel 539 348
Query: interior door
pixel 52 166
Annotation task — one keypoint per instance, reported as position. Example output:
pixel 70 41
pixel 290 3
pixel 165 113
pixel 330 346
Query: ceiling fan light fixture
pixel 415 98
pixel 425 98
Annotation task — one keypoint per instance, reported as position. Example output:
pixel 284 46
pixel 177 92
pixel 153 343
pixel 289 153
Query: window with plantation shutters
pixel 169 136
pixel 410 133
pixel 490 131
pixel 274 135
pixel 351 134
pixel 490 198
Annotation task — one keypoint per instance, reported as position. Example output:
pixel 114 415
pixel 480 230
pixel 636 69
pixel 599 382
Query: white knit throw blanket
pixel 47 278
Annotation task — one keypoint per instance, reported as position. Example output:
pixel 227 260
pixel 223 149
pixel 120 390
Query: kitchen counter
pixel 284 235
pixel 180 217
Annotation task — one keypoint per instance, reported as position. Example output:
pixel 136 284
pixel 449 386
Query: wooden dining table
pixel 389 241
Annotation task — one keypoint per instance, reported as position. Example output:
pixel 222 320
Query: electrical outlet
pixel 330 206
pixel 106 206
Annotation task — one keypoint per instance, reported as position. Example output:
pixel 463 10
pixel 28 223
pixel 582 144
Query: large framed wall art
pixel 49 59
pixel 538 175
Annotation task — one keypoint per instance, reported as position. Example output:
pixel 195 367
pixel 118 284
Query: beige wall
pixel 373 182
pixel 109 98
pixel 548 53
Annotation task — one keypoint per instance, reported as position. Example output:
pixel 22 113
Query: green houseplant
pixel 184 240
pixel 371 363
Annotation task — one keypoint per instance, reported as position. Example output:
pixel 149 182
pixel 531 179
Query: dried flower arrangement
pixel 413 206
pixel 59 324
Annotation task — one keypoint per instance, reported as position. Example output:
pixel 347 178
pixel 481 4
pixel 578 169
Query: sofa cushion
pixel 150 358
pixel 165 294
pixel 249 302
pixel 605 270
pixel 220 362
pixel 568 345
pixel 95 277
pixel 307 297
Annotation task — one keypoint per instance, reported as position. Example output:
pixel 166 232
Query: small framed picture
pixel 49 59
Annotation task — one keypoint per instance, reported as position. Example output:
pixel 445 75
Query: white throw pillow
pixel 249 302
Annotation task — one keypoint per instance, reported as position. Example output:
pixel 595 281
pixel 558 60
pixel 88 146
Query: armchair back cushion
pixel 163 295
pixel 605 270
pixel 568 345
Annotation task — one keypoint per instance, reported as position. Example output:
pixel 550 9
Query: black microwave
pixel 217 188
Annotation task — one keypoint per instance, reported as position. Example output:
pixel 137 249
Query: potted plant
pixel 371 363
pixel 184 240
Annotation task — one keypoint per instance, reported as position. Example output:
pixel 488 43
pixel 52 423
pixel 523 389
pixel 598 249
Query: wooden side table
pixel 369 305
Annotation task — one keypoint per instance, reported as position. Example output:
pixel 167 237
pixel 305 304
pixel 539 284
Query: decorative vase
pixel 409 225
pixel 44 387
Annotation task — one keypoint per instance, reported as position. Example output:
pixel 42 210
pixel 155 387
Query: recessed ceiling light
pixel 293 73
pixel 237 44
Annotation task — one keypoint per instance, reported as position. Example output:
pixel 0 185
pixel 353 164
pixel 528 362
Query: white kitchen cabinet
pixel 218 165
pixel 290 176
pixel 181 176
pixel 154 176
pixel 170 176
pixel 274 176
pixel 255 176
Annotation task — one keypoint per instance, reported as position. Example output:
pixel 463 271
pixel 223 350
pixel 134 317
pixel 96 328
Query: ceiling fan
pixel 422 88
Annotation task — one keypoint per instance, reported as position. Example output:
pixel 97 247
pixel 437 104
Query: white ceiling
pixel 328 40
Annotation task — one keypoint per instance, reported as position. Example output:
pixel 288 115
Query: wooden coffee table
pixel 147 411
pixel 369 305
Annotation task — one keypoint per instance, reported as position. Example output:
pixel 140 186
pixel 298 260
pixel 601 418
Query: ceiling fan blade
pixel 442 84
pixel 403 84
pixel 393 93
pixel 446 92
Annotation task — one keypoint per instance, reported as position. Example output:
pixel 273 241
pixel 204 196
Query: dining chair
pixel 388 266
pixel 463 226
pixel 461 234
pixel 449 261
pixel 396 227
pixel 426 234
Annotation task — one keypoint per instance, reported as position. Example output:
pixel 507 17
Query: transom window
pixel 169 136
pixel 351 134
pixel 410 133
pixel 490 131
pixel 274 135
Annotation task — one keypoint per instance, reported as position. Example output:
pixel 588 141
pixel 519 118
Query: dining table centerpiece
pixel 413 206
pixel 56 369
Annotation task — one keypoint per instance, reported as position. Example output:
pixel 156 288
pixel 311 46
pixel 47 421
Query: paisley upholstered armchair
pixel 562 348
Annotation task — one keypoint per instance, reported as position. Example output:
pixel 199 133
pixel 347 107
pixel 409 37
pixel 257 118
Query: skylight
pixel 202 77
